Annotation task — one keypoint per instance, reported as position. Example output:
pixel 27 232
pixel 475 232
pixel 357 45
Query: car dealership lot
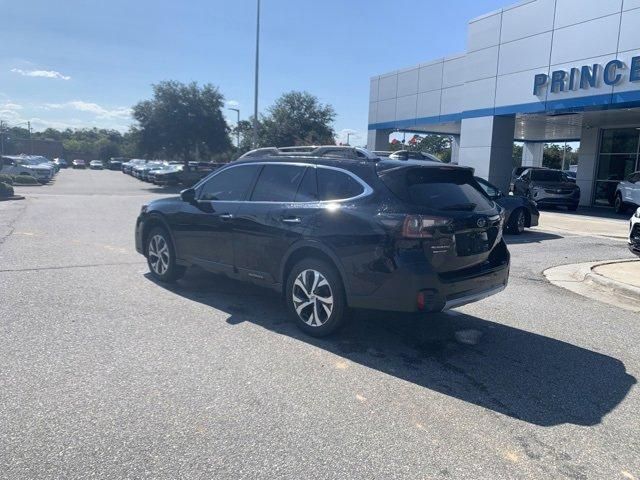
pixel 108 374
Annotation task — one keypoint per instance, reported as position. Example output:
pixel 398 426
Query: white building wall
pixel 505 50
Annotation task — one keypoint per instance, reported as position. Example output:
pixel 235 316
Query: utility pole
pixel 237 110
pixel 30 141
pixel 255 93
pixel 1 137
pixel 348 135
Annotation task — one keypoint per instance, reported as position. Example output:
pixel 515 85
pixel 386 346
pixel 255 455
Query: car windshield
pixel 547 176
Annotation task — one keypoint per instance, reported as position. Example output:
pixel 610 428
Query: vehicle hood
pixel 568 185
pixel 166 205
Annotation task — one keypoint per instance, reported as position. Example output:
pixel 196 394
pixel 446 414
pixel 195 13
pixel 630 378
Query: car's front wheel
pixel 161 257
pixel 315 297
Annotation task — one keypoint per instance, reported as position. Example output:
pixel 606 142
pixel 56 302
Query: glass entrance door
pixel 618 158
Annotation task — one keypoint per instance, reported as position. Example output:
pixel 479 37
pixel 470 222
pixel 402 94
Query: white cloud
pixel 89 107
pixel 40 73
pixel 232 104
pixel 11 106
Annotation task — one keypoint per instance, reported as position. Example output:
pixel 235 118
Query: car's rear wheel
pixel 315 297
pixel 618 204
pixel 161 257
pixel 517 221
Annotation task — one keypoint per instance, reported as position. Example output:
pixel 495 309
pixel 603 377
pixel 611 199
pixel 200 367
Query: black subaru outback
pixel 330 234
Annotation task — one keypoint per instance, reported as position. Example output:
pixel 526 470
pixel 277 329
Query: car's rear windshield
pixel 438 188
pixel 547 176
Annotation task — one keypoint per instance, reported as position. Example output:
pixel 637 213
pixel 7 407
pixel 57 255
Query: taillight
pixel 422 226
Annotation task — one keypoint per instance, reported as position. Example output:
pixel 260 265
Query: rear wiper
pixel 460 206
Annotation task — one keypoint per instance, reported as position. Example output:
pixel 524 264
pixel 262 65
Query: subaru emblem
pixel 481 222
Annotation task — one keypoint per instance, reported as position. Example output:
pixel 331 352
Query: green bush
pixel 25 180
pixel 8 179
pixel 6 190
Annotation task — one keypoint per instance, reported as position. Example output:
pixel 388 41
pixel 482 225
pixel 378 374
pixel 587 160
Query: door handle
pixel 226 216
pixel 291 220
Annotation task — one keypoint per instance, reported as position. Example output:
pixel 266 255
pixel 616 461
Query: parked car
pixel 96 165
pixel 10 166
pixel 627 193
pixel 61 162
pixel 165 167
pixel 520 212
pixel 331 233
pixel 413 155
pixel 127 167
pixel 41 168
pixel 115 163
pixel 140 171
pixel 634 233
pixel 167 176
pixel 548 187
pixel 78 163
pixel 516 172
pixel 571 175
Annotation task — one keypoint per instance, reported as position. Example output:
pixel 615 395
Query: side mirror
pixel 499 194
pixel 188 195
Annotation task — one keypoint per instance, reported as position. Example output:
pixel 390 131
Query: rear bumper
pixel 401 289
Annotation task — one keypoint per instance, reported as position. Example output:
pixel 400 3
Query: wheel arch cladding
pixel 155 221
pixel 311 251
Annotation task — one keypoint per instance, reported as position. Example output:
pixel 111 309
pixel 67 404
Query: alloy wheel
pixel 312 298
pixel 159 254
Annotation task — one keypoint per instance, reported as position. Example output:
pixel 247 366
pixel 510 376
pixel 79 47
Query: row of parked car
pixel 36 166
pixel 161 172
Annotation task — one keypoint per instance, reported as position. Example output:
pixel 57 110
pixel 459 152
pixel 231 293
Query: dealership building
pixel 535 72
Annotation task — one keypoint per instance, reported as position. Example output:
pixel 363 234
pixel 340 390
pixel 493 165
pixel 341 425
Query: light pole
pixel 1 137
pixel 348 135
pixel 255 93
pixel 237 110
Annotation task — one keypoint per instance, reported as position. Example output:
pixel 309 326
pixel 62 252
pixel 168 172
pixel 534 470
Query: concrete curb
pixel 581 279
pixel 614 285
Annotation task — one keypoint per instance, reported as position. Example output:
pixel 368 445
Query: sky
pixel 74 63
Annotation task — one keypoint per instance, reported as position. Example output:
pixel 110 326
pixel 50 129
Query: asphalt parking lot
pixel 106 374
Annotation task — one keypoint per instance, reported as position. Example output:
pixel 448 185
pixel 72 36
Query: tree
pixel 297 118
pixel 182 121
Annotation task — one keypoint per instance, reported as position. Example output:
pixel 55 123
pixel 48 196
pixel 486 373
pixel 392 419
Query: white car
pixel 634 233
pixel 12 165
pixel 41 168
pixel 628 193
pixel 96 165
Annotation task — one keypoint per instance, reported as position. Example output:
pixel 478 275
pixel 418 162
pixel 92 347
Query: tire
pixel 313 316
pixel 161 257
pixel 618 204
pixel 517 221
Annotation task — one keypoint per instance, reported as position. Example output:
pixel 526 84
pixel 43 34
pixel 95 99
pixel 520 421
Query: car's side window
pixel 308 189
pixel 231 184
pixel 488 188
pixel 278 183
pixel 336 185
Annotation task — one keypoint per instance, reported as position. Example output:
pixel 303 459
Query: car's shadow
pixel 521 374
pixel 531 236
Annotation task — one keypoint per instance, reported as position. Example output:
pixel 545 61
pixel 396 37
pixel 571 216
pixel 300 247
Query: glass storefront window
pixel 616 167
pixel 622 140
pixel 617 160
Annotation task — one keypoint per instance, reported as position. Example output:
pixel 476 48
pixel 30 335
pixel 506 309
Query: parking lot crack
pixel 64 267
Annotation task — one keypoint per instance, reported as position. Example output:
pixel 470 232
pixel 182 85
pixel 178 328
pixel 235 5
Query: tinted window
pixel 308 190
pixel 489 189
pixel 442 189
pixel 335 185
pixel 277 183
pixel 231 184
